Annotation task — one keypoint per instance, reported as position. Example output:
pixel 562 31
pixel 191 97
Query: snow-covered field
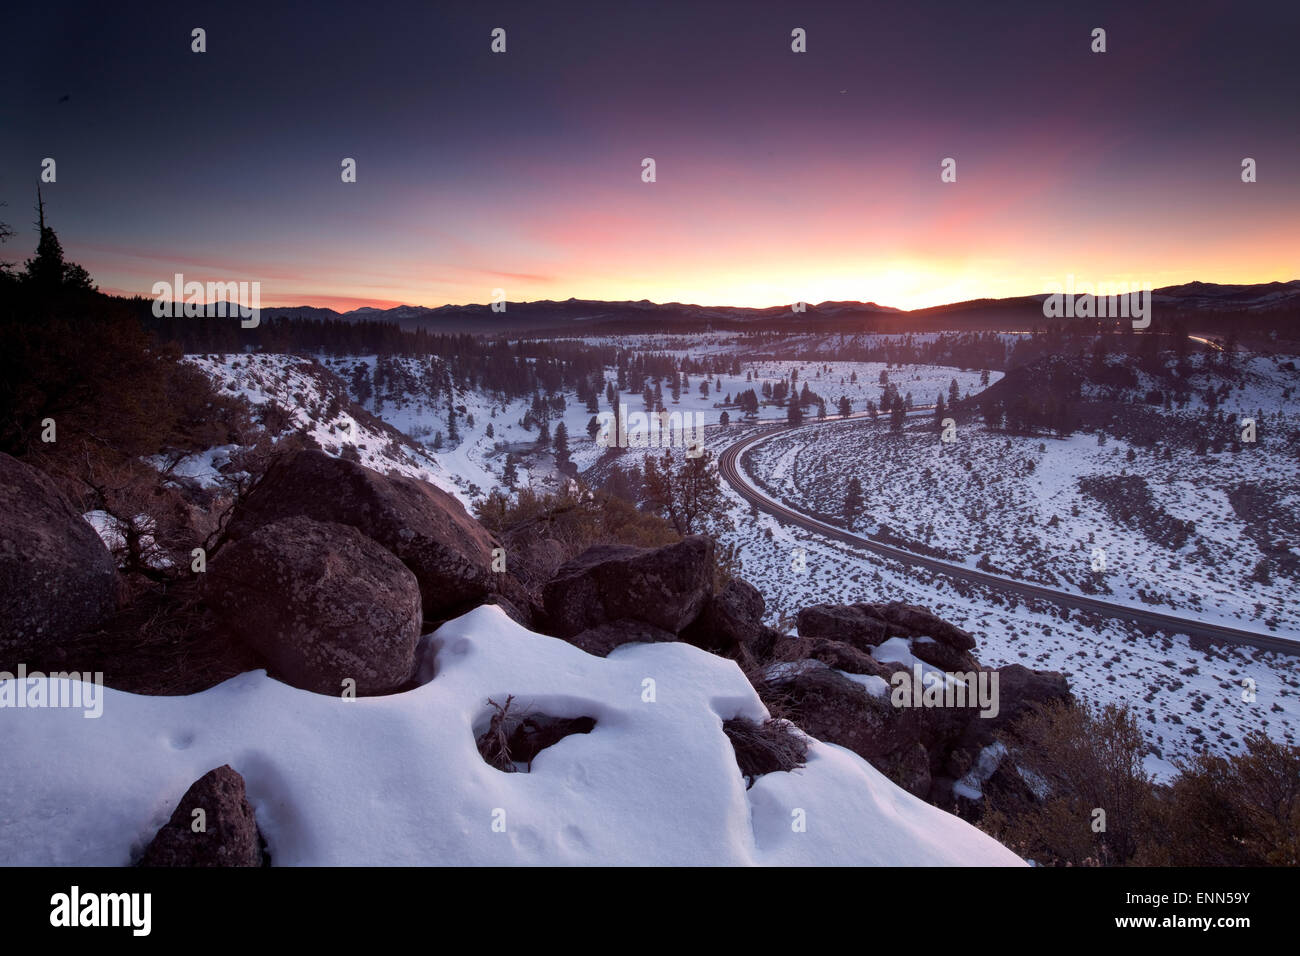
pixel 1016 505
pixel 398 780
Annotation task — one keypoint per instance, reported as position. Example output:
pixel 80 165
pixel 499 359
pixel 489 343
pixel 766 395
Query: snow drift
pixel 398 780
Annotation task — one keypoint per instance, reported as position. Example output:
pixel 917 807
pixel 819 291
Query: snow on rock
pixel 398 780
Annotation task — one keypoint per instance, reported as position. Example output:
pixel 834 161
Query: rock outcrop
pixel 321 603
pixel 430 531
pixel 830 682
pixel 666 587
pixel 56 577
pixel 730 619
pixel 213 825
pixel 867 625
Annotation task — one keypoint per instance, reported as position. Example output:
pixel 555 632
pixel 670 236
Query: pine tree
pixel 48 270
pixel 896 418
pixel 853 502
pixel 561 443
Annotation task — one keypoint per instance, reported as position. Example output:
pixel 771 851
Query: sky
pixel 779 176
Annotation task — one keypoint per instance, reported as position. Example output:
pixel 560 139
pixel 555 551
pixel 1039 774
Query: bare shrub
pixel 1077 760
pixel 1237 811
pixel 773 745
pixel 515 738
pixel 494 744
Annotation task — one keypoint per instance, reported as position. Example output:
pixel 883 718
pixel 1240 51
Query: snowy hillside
pixel 412 402
pixel 398 779
pixel 314 400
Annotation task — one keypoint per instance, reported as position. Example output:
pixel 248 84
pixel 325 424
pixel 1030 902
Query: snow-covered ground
pixel 1016 503
pixel 398 780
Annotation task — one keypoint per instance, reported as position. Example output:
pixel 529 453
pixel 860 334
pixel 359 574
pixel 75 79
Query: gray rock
pixel 731 618
pixel 666 587
pixel 229 835
pixel 321 603
pixel 430 531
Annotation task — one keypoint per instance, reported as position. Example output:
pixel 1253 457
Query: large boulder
pixel 666 587
pixel 866 625
pixel 910 620
pixel 730 618
pixel 430 531
pixel 842 623
pixel 228 836
pixel 1020 688
pixel 836 654
pixel 831 707
pixel 321 603
pixel 56 577
pixel 532 558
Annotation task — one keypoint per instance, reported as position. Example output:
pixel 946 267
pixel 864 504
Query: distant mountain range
pixel 586 313
pixel 589 316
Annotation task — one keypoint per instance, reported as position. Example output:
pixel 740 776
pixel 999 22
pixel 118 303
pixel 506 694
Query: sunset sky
pixel 781 176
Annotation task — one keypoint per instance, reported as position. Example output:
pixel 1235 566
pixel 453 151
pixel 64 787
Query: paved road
pixel 729 464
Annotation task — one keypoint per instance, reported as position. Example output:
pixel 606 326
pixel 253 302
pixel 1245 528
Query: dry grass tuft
pixel 773 745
